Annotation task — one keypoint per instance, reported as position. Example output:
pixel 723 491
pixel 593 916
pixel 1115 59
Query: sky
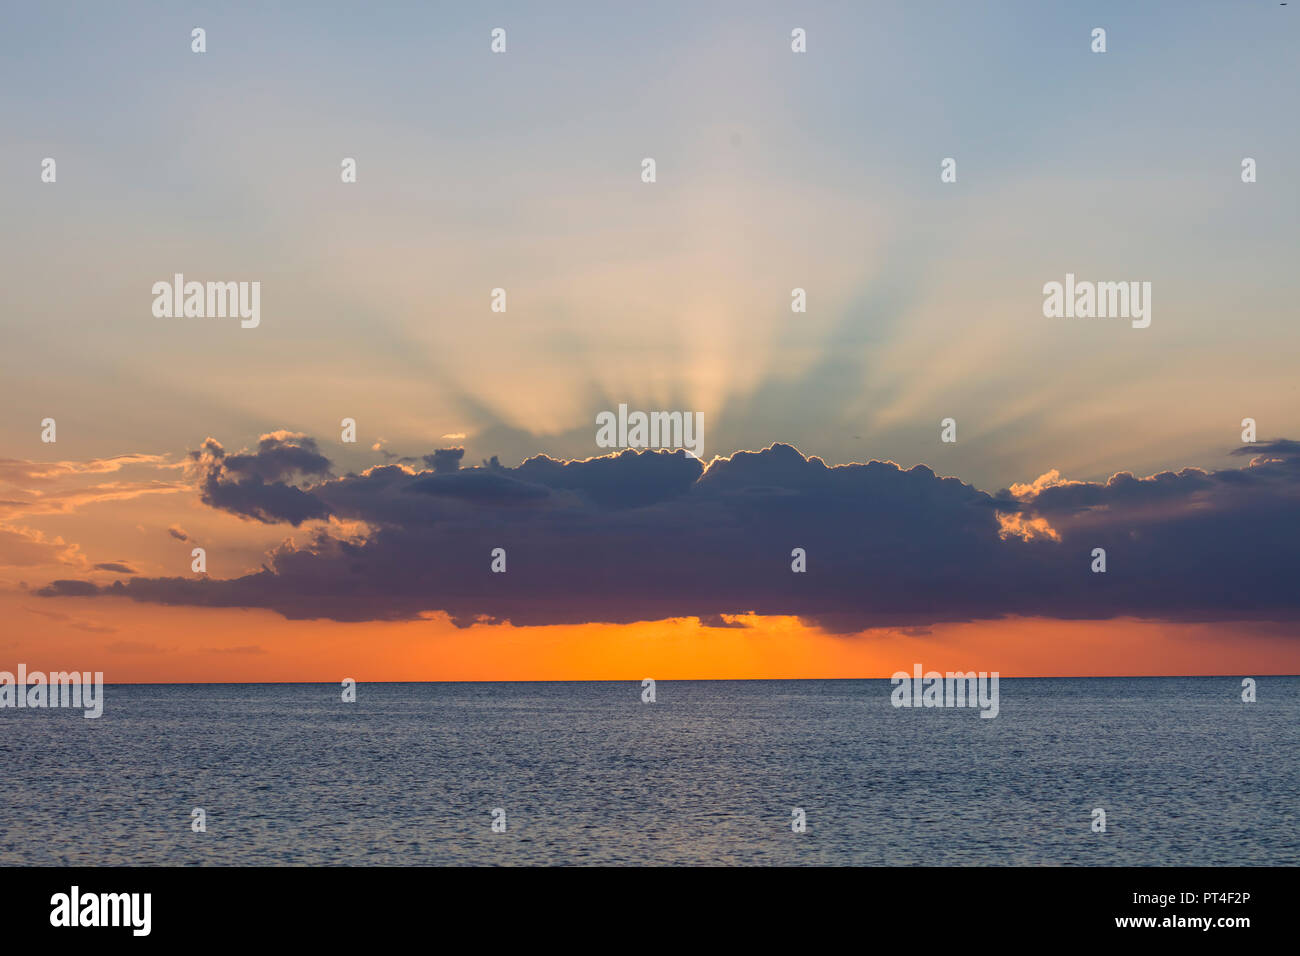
pixel 522 170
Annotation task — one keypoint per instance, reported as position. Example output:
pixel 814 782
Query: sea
pixel 771 772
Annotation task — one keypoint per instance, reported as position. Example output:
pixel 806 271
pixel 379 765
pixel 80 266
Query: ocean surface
pixel 708 774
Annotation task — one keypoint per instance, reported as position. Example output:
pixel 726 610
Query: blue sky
pixel 775 170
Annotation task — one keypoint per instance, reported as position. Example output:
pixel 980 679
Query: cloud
pixel 723 621
pixel 116 566
pixel 64 588
pixel 28 473
pixel 179 533
pixel 29 488
pixel 93 627
pixel 252 484
pixel 445 460
pixel 1014 523
pixel 1048 479
pixel 655 535
pixel 26 547
pixel 279 455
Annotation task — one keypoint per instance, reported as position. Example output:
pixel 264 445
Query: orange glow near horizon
pixel 135 643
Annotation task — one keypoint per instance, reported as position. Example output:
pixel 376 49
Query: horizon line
pixel 679 680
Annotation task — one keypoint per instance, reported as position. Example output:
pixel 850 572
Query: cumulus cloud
pixel 253 484
pixel 654 535
pixel 445 460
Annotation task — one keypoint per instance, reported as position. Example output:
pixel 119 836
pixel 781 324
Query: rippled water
pixel 288 774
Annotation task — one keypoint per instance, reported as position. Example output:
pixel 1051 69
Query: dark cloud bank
pixel 651 535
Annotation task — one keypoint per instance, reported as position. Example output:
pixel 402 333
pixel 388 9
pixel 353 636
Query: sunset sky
pixel 522 171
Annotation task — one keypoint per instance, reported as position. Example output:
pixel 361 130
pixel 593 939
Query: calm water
pixel 288 774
